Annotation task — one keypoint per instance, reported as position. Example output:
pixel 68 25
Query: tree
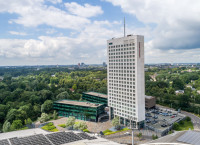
pixel 17 124
pixel 80 126
pixel 188 118
pixel 178 84
pixel 175 126
pixel 28 121
pixel 55 115
pixel 154 137
pixel 6 126
pixel 139 135
pixel 184 101
pixel 63 95
pixel 115 123
pixel 74 87
pixel 47 106
pixel 70 121
pixel 44 117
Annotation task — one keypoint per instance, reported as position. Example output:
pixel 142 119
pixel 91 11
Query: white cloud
pixel 176 22
pixel 33 13
pixel 86 10
pixel 17 33
pixel 55 1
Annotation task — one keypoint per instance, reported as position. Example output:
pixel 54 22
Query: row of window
pixel 112 83
pixel 121 49
pixel 122 94
pixel 116 67
pixel 121 75
pixel 121 60
pixel 124 71
pixel 122 45
pixel 110 64
pixel 122 53
pixel 122 56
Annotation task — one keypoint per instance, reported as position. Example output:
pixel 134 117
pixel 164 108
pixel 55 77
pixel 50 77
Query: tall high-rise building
pixel 126 84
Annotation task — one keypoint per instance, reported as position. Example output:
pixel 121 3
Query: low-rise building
pixel 79 109
pixel 150 102
pixel 179 92
pixel 95 97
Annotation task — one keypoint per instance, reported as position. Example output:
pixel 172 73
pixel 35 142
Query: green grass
pixel 86 130
pixel 62 125
pixel 108 132
pixel 185 126
pixel 50 127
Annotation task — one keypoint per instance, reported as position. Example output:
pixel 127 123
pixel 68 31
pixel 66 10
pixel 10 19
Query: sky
pixel 51 32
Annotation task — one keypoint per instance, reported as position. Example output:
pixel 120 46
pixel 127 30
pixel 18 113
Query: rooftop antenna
pixel 124 28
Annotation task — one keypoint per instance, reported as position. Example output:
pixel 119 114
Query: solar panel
pixel 191 137
pixel 38 139
pixel 86 136
pixel 4 142
pixel 15 141
pixel 62 137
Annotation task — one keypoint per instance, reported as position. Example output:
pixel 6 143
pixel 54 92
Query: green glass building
pixel 79 109
pixel 95 98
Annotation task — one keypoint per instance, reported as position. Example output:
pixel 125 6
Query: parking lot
pixel 160 119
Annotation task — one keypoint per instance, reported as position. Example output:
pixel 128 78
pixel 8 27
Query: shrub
pixel 70 121
pixel 175 126
pixel 181 122
pixel 188 118
pixel 86 130
pixel 50 127
pixel 107 130
pixel 154 137
pixel 62 125
pixel 80 125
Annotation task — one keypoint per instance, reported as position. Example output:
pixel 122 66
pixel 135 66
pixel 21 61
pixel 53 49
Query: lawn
pixel 185 126
pixel 50 127
pixel 108 132
pixel 62 125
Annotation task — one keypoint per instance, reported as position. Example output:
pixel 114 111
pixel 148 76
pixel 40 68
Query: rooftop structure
pixel 79 103
pixel 97 94
pixel 95 98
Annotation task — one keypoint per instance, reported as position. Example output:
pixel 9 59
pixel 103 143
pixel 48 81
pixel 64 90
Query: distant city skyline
pixel 51 32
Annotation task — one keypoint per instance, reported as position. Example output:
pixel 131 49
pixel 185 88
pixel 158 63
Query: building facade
pixel 80 110
pixel 125 71
pixel 95 97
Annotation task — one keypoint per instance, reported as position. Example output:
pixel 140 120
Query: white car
pixel 127 133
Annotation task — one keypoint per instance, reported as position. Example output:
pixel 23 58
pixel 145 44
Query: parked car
pixel 172 116
pixel 155 117
pixel 164 125
pixel 148 121
pixel 154 122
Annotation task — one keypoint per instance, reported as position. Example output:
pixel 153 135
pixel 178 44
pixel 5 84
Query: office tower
pixel 125 69
pixel 104 64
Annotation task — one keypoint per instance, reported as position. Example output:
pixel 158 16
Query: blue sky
pixel 37 32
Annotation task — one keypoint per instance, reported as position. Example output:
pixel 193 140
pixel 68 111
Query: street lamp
pixel 132 125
